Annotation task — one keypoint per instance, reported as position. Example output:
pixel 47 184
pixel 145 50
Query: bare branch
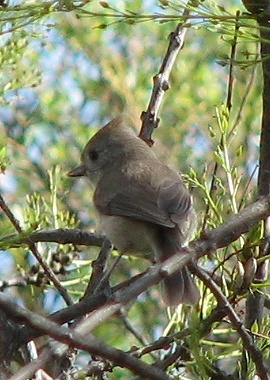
pixel 238 224
pixel 68 236
pixel 149 117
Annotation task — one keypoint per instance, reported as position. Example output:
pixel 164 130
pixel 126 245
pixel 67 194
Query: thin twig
pixel 21 282
pixel 127 324
pixel 232 59
pixel 243 101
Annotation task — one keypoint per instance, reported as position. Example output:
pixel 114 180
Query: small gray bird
pixel 143 206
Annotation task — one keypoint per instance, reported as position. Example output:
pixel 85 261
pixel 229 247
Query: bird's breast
pixel 129 236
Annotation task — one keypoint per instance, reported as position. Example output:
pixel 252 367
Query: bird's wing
pixel 165 205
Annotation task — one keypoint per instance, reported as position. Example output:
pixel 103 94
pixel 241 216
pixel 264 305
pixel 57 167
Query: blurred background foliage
pixel 65 73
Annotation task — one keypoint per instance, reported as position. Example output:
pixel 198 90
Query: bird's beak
pixel 77 172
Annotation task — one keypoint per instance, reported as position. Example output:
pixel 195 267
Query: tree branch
pixel 79 338
pixel 149 117
pixel 68 236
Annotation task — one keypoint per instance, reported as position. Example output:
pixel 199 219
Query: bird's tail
pixel 180 288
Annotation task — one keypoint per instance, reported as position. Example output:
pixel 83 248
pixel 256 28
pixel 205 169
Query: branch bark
pixel 149 117
pixel 261 11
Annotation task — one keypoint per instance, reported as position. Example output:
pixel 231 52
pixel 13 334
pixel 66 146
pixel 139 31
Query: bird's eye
pixel 93 155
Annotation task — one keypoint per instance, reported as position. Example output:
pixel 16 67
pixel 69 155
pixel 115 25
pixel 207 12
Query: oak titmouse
pixel 143 205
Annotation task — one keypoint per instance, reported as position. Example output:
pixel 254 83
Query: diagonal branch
pixel 149 117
